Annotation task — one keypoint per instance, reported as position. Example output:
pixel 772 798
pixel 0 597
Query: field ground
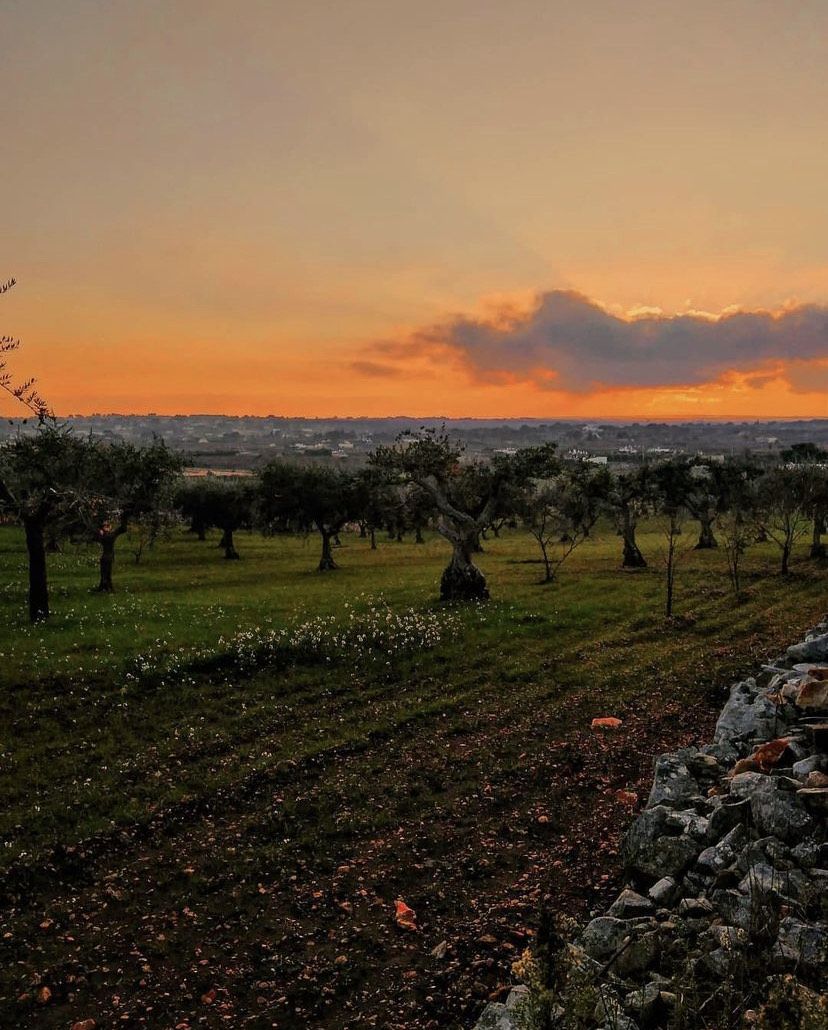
pixel 223 847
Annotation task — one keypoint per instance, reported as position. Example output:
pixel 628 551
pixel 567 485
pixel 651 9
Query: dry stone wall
pixel 727 869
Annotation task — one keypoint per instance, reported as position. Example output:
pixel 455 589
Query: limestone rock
pixel 765 880
pixel 673 783
pixel 497 1017
pixel 812 696
pixel 604 936
pixel 813 763
pixel 746 716
pixel 814 649
pixel 802 945
pixel 651 849
pixel 713 859
pixel 731 811
pixel 630 905
pixel 815 798
pixel 781 814
pixel 662 891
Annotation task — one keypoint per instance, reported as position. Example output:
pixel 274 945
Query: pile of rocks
pixel 727 863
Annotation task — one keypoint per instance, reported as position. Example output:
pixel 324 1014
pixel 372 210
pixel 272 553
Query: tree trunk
pixel 633 558
pixel 817 546
pixel 363 532
pixel 326 562
pixel 229 546
pixel 671 572
pixel 462 580
pixel 418 535
pixel 707 541
pixel 38 584
pixel 107 542
pixel 786 556
pixel 548 577
pixel 735 575
pixel 197 526
pixel 373 539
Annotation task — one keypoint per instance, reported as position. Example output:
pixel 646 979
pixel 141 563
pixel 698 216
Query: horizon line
pixel 439 418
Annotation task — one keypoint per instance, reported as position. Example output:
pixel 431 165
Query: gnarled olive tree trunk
pixel 707 540
pixel 229 545
pixel 632 556
pixel 38 582
pixel 107 538
pixel 462 580
pixel 326 562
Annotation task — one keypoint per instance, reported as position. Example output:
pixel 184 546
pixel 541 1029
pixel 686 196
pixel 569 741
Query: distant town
pixel 223 444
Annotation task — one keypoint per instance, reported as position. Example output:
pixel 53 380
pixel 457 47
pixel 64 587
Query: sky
pixel 375 207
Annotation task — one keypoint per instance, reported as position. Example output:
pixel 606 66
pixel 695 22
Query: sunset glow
pixel 291 208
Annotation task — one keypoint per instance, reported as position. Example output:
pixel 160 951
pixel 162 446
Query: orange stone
pixel 607 722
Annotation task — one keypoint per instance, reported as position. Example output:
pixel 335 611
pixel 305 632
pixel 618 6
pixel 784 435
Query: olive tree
pixel 560 513
pixel 627 501
pixel 669 485
pixel 225 502
pixel 735 519
pixel 42 481
pixel 123 483
pixel 466 497
pixel 814 460
pixel 304 498
pixel 783 512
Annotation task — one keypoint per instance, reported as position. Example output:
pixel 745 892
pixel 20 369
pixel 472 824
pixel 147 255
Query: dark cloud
pixel 808 378
pixel 569 342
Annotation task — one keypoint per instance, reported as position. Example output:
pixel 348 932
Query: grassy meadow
pixel 143 765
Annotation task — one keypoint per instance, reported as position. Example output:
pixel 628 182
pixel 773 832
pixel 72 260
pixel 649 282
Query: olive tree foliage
pixel 783 511
pixel 308 498
pixel 818 509
pixel 227 503
pixel 561 511
pixel 736 505
pixel 42 484
pixel 418 510
pixel 38 475
pixel 466 497
pixel 24 391
pixel 701 498
pixel 808 456
pixel 374 499
pixel 669 485
pixel 122 485
pixel 191 499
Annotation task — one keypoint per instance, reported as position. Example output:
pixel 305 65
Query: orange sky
pixel 235 207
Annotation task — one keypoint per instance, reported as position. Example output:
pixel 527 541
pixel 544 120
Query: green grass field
pixel 263 782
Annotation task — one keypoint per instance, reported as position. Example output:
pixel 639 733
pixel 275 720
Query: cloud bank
pixel 569 342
